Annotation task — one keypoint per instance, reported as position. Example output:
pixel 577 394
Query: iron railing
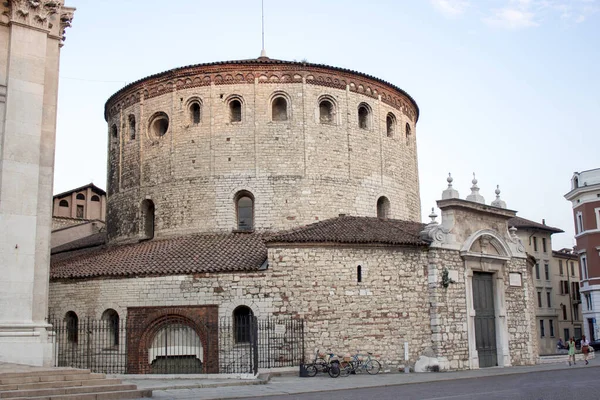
pixel 231 345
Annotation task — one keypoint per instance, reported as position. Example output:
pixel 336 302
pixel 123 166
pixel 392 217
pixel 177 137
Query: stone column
pixel 31 34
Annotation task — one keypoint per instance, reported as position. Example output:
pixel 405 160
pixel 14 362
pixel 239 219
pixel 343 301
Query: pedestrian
pixel 560 345
pixel 571 345
pixel 585 348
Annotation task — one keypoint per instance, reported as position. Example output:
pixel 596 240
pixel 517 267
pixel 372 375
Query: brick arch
pixel 144 322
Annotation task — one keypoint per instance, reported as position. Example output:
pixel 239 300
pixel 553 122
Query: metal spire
pixel 263 53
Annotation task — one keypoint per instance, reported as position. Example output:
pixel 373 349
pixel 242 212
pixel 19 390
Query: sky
pixel 507 89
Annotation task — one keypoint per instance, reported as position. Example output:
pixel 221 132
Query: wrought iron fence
pixel 230 345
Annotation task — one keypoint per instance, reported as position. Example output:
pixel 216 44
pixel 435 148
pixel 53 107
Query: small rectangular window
pixel 584 271
pixel 572 268
pixel 539 298
pixel 544 245
pixel 547 271
pixel 79 211
pixel 535 244
pixel 549 299
pixel 564 311
pixel 542 333
pixel 537 271
pixel 551 325
pixel 560 267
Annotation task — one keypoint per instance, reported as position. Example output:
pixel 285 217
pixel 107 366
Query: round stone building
pixel 257 145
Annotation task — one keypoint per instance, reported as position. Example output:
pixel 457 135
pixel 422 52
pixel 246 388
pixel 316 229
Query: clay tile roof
pixel 355 230
pixel 93 240
pixel 519 222
pixel 179 255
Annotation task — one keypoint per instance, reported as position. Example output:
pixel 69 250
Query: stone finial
pixel 450 192
pixel 475 196
pixel 498 202
pixel 433 216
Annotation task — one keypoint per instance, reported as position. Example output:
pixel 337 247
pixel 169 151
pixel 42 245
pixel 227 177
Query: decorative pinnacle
pixel 475 196
pixel 498 202
pixel 433 216
pixel 497 191
pixel 474 181
pixel 450 180
pixel 450 192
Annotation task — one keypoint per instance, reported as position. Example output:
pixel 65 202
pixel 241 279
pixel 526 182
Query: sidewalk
pixel 275 384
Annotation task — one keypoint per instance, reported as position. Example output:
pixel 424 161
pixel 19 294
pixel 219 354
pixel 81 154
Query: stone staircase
pixel 64 384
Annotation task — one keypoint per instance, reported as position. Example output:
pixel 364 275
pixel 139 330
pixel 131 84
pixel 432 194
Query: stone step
pixel 44 371
pixel 65 390
pixel 57 376
pixel 59 384
pixel 124 394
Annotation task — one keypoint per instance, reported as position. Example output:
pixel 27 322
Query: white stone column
pixel 31 33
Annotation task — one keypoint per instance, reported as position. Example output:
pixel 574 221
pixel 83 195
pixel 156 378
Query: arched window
pixel 364 116
pixel 576 182
pixel 359 274
pixel 131 126
pixel 110 319
pixel 245 211
pixel 63 203
pixel 72 323
pixel 80 196
pixel 235 111
pixel 159 124
pixel 95 198
pixel 114 133
pixel 390 124
pixel 195 113
pixel 407 133
pixel 383 207
pixel 147 219
pixel 326 112
pixel 279 109
pixel 243 323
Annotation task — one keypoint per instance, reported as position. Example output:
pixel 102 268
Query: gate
pixel 485 319
pixel 174 346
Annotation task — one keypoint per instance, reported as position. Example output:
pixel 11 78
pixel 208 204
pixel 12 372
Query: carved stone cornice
pixel 66 17
pixel 34 13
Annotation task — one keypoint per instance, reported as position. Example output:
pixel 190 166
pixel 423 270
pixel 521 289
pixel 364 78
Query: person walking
pixel 585 348
pixel 571 345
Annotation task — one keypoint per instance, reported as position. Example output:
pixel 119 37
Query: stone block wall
pixel 299 170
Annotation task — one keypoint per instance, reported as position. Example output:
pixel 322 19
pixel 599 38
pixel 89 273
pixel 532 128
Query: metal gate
pixel 485 319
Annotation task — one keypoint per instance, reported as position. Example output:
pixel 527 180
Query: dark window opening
pixel 245 212
pixel 390 123
pixel 160 125
pixel 539 299
pixel 564 312
pixel 549 299
pixel 111 327
pixel 72 322
pixel 235 111
pixel 363 117
pixel 547 272
pixel 542 331
pixel 63 203
pixel 195 113
pixel 80 196
pixel 551 324
pixel 243 321
pixel 79 212
pixel 544 245
pixel 383 207
pixel 407 133
pixel 537 271
pixel 131 127
pixel 535 244
pixel 325 112
pixel 359 274
pixel 114 133
pixel 147 219
pixel 95 198
pixel 279 109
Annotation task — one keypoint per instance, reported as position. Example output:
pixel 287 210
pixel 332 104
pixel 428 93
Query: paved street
pixel 553 382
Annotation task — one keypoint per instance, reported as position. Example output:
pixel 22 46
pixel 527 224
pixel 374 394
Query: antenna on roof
pixel 263 53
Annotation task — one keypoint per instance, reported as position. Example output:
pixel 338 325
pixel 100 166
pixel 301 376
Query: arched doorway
pixel 176 349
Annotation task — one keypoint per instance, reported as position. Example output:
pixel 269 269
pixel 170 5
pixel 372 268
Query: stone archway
pixel 485 254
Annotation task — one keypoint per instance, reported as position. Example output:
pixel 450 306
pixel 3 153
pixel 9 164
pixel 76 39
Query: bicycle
pixel 324 362
pixel 357 364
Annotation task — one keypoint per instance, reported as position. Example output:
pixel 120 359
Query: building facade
pixel 31 35
pixel 279 189
pixel 585 199
pixel 537 239
pixel 567 297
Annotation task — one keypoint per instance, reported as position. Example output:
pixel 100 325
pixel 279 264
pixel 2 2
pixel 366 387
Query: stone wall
pixel 299 171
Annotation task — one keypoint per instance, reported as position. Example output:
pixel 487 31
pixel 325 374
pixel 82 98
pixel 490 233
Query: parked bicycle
pixel 324 362
pixel 360 363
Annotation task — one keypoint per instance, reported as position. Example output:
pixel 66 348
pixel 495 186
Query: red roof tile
pixel 179 255
pixel 519 222
pixel 357 230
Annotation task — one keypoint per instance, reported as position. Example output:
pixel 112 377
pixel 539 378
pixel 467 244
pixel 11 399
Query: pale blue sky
pixel 508 89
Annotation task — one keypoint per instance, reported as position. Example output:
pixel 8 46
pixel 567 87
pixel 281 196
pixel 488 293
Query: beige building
pixel 566 278
pixel 31 35
pixel 556 279
pixel 78 214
